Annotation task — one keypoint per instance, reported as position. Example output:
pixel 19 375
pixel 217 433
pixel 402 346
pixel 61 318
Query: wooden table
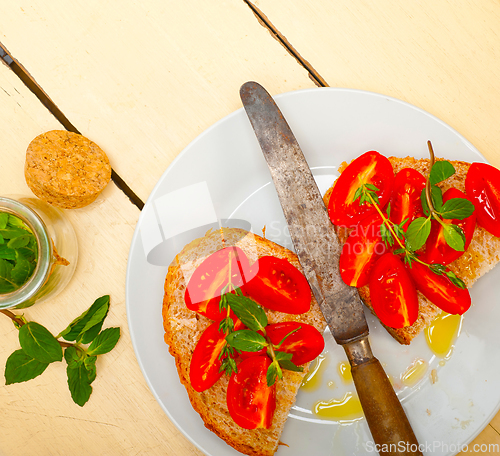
pixel 143 79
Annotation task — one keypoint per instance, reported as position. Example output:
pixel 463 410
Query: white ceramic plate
pixel 222 175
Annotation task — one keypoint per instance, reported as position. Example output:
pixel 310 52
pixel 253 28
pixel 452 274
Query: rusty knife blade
pixel 318 249
pixel 311 230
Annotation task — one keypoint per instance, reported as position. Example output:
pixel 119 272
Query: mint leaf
pixel 454 236
pixel 440 171
pixel 5 274
pixel 251 314
pixel 272 372
pixel 18 242
pixel 39 343
pixel 436 199
pixel 246 340
pixel 457 208
pixel 4 218
pixel 79 384
pixel 283 356
pixel 21 271
pixel 73 357
pixel 6 253
pixel 18 246
pixel 94 324
pixel 21 367
pixel 16 222
pixel 91 367
pixel 75 328
pixel 285 361
pixel 417 233
pixel 288 365
pixel 104 342
pixel 11 233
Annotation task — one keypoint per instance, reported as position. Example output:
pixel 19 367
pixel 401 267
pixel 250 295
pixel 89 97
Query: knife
pixel 318 250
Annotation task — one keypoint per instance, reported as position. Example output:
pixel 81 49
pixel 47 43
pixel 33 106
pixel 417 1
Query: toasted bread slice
pixel 481 256
pixel 184 327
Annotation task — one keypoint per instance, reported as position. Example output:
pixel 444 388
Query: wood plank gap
pixel 35 88
pixel 492 427
pixel 264 21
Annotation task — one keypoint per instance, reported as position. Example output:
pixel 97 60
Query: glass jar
pixel 56 240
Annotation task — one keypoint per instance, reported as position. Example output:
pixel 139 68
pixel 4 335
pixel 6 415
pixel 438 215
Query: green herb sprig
pixel 415 236
pixel 227 326
pixel 39 348
pixel 254 339
pixel 18 252
pixel 432 204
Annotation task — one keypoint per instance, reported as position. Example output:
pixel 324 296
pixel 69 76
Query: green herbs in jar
pixel 18 253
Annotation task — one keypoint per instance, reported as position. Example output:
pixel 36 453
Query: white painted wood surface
pixel 143 79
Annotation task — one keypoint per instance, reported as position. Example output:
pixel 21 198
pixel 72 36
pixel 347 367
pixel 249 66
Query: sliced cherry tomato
pixel 305 344
pixel 369 168
pixel 361 250
pixel 210 277
pixel 482 185
pixel 437 249
pixel 392 292
pixel 439 289
pixel 278 285
pixel 251 403
pixel 405 199
pixel 205 365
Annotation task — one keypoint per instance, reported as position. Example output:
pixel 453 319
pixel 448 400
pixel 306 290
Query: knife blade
pixel 318 249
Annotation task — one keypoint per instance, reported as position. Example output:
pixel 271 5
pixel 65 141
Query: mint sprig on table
pixel 253 316
pixel 18 252
pixel 39 348
pixel 415 236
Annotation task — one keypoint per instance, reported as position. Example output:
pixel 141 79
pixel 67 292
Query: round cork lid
pixel 66 169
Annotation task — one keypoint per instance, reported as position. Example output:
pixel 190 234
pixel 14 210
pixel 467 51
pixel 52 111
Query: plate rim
pixel 191 144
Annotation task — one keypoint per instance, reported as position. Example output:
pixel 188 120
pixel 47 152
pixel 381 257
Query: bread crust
pixel 183 328
pixel 481 256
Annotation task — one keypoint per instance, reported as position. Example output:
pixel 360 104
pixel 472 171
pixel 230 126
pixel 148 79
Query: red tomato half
pixel 278 285
pixel 405 199
pixel 482 185
pixel 361 250
pixel 305 344
pixel 392 292
pixel 251 403
pixel 437 249
pixel 204 288
pixel 439 289
pixel 205 362
pixel 369 168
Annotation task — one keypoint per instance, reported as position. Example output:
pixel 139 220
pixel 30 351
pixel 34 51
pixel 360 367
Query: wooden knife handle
pixel 391 431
